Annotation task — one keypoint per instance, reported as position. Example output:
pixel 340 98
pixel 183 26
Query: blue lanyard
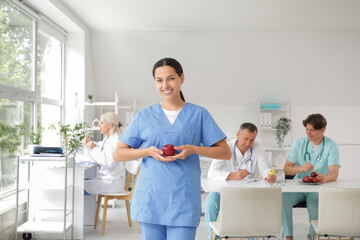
pixel 250 159
pixel 308 154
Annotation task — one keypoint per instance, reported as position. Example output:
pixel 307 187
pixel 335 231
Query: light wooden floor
pixel 117 226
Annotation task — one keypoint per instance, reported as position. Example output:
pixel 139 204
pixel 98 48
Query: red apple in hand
pixel 306 179
pixel 168 150
pixel 314 180
pixel 314 174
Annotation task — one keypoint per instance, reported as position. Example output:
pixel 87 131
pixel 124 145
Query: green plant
pixel 71 137
pixel 282 128
pixel 10 137
pixel 90 96
pixel 35 137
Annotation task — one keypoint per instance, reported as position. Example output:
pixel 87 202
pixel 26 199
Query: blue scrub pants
pixel 163 232
pixel 291 199
pixel 212 207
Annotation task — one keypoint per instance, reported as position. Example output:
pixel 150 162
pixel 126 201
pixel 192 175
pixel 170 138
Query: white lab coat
pixel 220 169
pixel 111 175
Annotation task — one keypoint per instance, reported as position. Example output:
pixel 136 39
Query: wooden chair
pixel 133 168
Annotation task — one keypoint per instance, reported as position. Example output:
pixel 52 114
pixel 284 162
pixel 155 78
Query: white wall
pixel 227 68
pixel 229 72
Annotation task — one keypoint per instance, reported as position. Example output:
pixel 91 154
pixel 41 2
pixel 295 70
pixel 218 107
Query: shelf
pixel 45 158
pixel 100 104
pixel 268 129
pixel 275 110
pixel 43 227
pixel 44 187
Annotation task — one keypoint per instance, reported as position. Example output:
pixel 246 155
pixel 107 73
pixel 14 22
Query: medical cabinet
pixel 45 192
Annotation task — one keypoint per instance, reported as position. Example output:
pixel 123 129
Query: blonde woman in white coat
pixel 111 175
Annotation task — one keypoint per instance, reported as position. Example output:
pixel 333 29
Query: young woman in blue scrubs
pixel 166 199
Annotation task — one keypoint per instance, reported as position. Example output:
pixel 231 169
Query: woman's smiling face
pixel 168 83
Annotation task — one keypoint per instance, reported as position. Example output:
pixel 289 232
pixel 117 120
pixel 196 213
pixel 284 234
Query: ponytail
pixel 182 96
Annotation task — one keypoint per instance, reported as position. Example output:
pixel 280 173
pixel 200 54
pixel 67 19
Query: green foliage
pixel 282 128
pixel 71 137
pixel 90 96
pixel 10 137
pixel 35 137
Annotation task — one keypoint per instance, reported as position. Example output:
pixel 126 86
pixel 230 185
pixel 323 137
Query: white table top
pixel 287 185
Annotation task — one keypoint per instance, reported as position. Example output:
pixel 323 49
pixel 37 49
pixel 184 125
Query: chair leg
pixel 97 211
pixel 104 215
pixel 213 236
pixel 138 226
pixel 127 203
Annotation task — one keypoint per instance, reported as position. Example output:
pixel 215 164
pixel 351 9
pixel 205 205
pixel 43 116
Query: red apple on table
pixel 306 179
pixel 314 180
pixel 314 174
pixel 168 150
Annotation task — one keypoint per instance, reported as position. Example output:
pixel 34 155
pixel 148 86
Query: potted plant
pixel 70 137
pixel 282 128
pixel 90 98
pixel 34 138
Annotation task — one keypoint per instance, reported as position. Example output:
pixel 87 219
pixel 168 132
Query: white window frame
pixel 18 94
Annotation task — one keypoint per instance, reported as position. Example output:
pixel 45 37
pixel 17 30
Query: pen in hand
pixel 249 172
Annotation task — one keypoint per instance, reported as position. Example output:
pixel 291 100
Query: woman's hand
pixel 86 140
pixel 157 154
pixel 186 150
pixel 90 144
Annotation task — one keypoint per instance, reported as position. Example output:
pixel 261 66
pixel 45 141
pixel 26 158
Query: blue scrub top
pixel 170 193
pixel 330 155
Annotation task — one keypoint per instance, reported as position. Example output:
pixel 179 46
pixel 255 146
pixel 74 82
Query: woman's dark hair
pixel 316 120
pixel 171 62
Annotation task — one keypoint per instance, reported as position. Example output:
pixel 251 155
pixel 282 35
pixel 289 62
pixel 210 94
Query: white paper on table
pixel 246 180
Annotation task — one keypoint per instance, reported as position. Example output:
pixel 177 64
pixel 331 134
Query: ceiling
pixel 215 15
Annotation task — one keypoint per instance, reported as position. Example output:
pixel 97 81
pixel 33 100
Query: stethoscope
pixel 318 158
pixel 249 160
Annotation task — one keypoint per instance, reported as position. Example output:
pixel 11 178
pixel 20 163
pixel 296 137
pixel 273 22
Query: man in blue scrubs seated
pixel 167 197
pixel 315 152
pixel 247 155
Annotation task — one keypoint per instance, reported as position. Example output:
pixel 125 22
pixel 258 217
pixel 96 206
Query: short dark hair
pixel 249 126
pixel 316 120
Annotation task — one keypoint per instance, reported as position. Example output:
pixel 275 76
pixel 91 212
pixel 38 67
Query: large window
pixel 16 47
pixel 31 83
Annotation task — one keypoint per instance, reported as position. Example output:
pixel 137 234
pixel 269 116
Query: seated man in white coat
pixel 246 156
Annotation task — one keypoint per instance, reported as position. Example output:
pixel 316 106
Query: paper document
pixel 246 180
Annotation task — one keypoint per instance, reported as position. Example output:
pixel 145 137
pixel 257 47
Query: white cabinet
pixel 49 190
pixel 268 115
